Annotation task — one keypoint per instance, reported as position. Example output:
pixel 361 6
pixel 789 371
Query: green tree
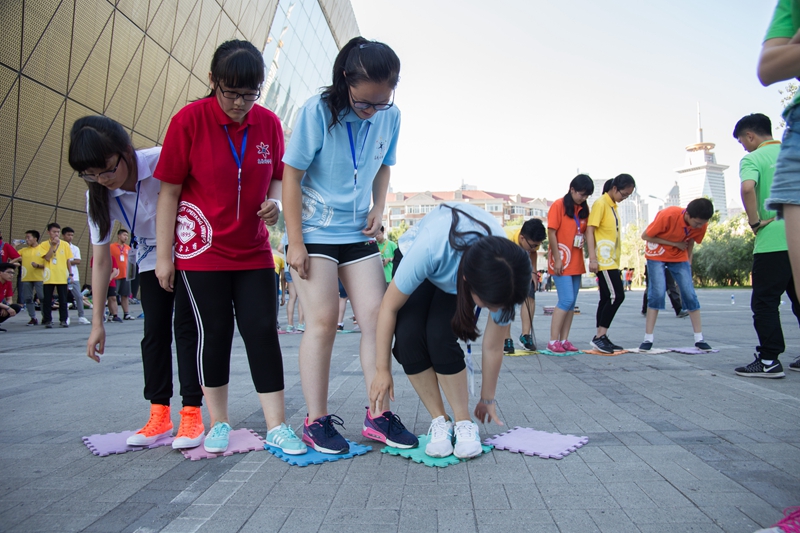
pixel 725 257
pixel 633 252
pixel 787 95
pixel 395 233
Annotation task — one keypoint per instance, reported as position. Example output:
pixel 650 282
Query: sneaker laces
pixel 190 419
pixel 328 422
pixel 791 520
pixel 220 429
pixel 465 431
pixel 395 425
pixel 285 432
pixel 156 420
pixel 438 430
pixel 755 366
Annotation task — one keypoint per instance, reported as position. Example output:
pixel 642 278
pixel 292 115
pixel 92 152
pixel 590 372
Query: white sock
pixel 767 362
pixel 276 427
pixel 698 337
pixel 648 337
pixel 341 324
pixel 552 341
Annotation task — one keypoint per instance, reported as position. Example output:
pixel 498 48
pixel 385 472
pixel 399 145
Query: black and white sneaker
pixel 508 347
pixel 616 347
pixel 646 346
pixel 602 344
pixel 703 345
pixel 757 369
pixel 795 365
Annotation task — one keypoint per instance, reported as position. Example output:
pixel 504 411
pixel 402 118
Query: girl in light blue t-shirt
pixel 336 165
pixel 460 258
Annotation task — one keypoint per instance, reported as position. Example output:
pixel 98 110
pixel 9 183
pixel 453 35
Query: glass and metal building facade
pixel 138 62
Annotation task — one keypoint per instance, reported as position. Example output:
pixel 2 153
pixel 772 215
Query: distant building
pixel 509 209
pixel 702 176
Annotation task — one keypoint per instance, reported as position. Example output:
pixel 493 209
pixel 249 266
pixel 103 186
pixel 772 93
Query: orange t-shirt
pixel 566 229
pixel 120 252
pixel 670 226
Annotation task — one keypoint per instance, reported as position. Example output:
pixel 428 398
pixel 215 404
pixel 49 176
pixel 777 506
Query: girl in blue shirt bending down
pixel 338 159
pixel 459 258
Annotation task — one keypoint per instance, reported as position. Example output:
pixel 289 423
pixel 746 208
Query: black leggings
pixel 5 315
pixel 612 294
pixel 210 299
pixel 423 337
pixel 157 346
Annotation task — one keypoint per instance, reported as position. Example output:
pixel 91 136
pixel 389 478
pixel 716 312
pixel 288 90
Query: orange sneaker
pixel 159 425
pixel 191 430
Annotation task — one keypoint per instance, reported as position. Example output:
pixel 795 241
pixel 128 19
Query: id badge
pixel 55 261
pixel 578 241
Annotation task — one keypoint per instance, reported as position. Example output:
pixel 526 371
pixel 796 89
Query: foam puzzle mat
pixel 418 454
pixel 652 351
pixel 313 457
pixel 598 352
pixel 529 441
pixel 239 441
pixel 115 443
pixel 548 352
pixel 518 353
pixel 691 350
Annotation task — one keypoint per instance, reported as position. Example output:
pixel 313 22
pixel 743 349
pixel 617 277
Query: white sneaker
pixel 441 434
pixel 468 440
pixel 83 320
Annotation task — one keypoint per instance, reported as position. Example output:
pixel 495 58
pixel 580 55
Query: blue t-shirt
pixel 334 212
pixel 427 253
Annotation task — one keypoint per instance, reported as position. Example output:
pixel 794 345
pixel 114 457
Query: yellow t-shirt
pixel 605 219
pixel 279 263
pixel 31 255
pixel 512 232
pixel 56 271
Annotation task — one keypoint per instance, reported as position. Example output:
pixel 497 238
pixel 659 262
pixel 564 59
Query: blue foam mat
pixel 313 457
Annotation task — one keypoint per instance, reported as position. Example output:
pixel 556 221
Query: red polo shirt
pixel 197 154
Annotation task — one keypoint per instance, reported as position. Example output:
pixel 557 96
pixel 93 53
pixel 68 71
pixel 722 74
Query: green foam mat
pixel 418 454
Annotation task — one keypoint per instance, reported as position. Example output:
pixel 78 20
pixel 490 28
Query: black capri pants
pixel 423 337
pixel 612 294
pixel 205 341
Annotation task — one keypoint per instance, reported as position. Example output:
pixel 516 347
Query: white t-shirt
pixel 76 254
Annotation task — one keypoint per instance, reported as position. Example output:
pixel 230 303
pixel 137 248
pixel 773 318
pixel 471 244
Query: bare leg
pixel 567 324
pixel 792 215
pixel 697 324
pixel 274 408
pixel 557 323
pixel 217 403
pixel 112 306
pixel 321 296
pixel 650 321
pixel 455 390
pixel 528 311
pixel 365 284
pixel 427 386
pixel 124 301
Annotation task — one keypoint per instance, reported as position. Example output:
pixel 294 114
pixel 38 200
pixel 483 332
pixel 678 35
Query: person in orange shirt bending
pixel 670 240
pixel 120 250
pixel 566 231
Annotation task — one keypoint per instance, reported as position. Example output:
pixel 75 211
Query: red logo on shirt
pixel 193 231
pixel 263 151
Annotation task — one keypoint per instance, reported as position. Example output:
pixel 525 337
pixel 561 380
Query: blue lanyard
pixel 135 211
pixel 356 160
pixel 577 223
pixel 238 159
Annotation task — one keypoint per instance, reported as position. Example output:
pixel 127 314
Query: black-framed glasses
pixel 233 95
pixel 363 106
pixel 106 174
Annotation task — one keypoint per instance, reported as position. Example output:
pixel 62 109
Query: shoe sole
pixel 439 456
pixel 599 349
pixel 476 454
pixel 795 369
pixel 320 449
pixel 759 375
pixel 182 443
pixel 215 449
pixel 287 452
pixel 376 435
pixel 141 440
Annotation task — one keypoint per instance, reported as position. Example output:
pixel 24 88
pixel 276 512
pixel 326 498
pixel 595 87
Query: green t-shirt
pixel 387 249
pixel 785 22
pixel 759 166
pixel 605 219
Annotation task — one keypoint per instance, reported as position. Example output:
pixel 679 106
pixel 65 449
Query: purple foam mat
pixel 691 350
pixel 529 441
pixel 114 443
pixel 239 441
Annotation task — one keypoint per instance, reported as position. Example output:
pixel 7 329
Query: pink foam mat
pixel 529 441
pixel 115 443
pixel 239 441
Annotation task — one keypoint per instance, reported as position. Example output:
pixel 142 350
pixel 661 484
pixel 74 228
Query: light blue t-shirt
pixel 334 212
pixel 427 253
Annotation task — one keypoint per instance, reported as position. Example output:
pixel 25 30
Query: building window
pixel 494 208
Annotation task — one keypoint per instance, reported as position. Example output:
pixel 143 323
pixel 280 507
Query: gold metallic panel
pixel 39 179
pixel 48 62
pixel 8 123
pixel 162 23
pixel 37 17
pixel 125 45
pixel 136 10
pixel 11 30
pixel 174 95
pixel 27 216
pixel 187 21
pixel 210 16
pixel 121 105
pixel 151 90
pixel 90 85
pixel 91 18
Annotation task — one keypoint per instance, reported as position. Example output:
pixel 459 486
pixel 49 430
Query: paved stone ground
pixel 676 442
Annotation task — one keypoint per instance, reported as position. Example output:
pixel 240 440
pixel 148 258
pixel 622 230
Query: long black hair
pixel 497 270
pixel 239 65
pixel 581 183
pixel 359 60
pixel 622 182
pixel 93 140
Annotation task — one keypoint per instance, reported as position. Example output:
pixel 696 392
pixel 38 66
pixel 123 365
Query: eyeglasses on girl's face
pixel 105 175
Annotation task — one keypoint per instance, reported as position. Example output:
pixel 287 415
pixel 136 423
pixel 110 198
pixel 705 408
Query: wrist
pixel 277 203
pixel 487 402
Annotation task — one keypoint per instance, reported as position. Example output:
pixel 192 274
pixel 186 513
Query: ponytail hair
pixel 581 183
pixel 622 182
pixel 359 60
pixel 93 140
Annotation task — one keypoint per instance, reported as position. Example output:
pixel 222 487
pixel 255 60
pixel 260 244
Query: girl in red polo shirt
pixel 221 159
pixel 566 231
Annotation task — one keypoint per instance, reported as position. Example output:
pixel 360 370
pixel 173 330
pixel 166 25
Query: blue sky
pixel 516 96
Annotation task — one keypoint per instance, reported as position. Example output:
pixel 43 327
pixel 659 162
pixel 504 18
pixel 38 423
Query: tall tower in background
pixel 701 176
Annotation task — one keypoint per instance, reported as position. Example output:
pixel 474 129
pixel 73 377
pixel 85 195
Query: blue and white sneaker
pixel 283 437
pixel 323 437
pixel 217 439
pixel 468 440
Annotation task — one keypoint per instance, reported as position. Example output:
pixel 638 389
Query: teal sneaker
pixel 217 439
pixel 283 437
